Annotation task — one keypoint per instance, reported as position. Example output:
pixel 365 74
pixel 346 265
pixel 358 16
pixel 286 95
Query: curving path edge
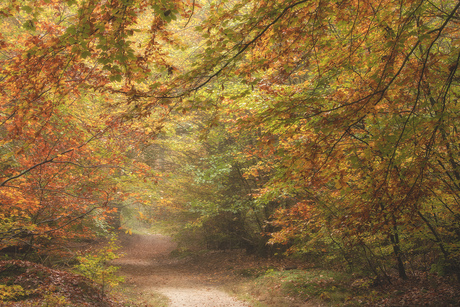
pixel 146 264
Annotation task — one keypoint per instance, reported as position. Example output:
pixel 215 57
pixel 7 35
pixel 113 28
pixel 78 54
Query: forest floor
pixel 157 276
pixel 157 273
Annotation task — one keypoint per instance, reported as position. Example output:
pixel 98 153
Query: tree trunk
pixel 397 251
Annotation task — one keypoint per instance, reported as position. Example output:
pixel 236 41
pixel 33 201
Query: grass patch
pixel 254 272
pixel 325 285
pixel 294 287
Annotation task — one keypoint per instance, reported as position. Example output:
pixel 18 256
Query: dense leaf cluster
pixel 323 128
pixel 338 129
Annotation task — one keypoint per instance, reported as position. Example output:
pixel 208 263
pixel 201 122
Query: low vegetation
pixel 323 130
pixel 332 288
pixel 24 283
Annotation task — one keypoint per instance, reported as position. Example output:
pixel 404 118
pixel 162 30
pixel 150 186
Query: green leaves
pixel 29 25
pixel 287 106
pixel 96 266
pixel 117 78
pixel 358 133
pixel 27 9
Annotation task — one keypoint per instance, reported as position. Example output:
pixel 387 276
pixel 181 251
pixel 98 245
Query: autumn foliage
pixel 64 138
pixel 40 285
pixel 322 128
pixel 344 119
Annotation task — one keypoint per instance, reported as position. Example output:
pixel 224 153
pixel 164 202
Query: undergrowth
pixel 294 287
pixel 322 287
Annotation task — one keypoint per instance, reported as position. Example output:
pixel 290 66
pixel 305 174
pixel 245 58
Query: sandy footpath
pixel 149 268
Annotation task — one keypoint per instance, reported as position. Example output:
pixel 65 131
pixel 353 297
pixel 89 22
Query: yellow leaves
pixel 339 184
pixel 11 292
pixel 141 215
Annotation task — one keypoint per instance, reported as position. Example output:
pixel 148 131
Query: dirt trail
pixel 147 265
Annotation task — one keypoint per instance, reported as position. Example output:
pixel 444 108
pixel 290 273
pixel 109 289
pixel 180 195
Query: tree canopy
pixel 318 127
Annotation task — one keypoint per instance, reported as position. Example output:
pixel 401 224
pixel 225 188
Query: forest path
pixel 149 268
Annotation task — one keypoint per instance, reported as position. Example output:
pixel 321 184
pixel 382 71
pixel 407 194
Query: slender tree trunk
pixel 397 251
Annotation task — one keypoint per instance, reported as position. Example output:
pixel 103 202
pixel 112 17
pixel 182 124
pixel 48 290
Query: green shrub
pixel 96 266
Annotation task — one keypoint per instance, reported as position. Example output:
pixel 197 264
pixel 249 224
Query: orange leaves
pixel 346 104
pixel 59 158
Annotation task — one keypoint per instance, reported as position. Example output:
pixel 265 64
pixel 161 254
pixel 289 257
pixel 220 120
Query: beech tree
pixel 69 71
pixel 353 107
pixel 356 102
